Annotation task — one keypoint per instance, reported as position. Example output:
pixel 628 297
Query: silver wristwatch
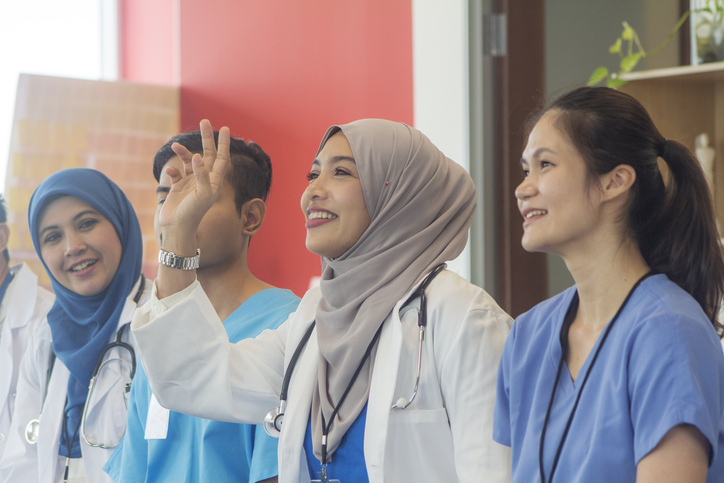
pixel 172 260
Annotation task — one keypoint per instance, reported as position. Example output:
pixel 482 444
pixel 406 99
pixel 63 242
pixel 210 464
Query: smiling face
pixel 333 204
pixel 559 205
pixel 79 245
pixel 220 233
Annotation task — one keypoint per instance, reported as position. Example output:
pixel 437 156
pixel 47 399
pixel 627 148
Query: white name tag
pixel 157 420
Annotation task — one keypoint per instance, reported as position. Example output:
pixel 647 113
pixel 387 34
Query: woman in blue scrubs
pixel 621 377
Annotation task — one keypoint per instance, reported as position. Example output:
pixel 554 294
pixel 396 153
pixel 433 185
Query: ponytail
pixel 673 221
pixel 683 242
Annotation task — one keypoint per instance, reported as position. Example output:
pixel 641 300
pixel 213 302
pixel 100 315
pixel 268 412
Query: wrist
pixel 172 260
pixel 178 241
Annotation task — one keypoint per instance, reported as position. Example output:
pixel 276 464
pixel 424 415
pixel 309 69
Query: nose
pixel 526 188
pixel 316 189
pixel 74 245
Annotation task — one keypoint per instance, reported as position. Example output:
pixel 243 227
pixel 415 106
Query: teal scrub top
pixel 202 450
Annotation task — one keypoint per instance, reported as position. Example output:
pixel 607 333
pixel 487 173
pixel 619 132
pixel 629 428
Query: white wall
pixel 440 83
pixel 50 37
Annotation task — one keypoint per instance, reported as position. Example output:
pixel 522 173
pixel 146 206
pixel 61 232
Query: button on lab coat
pixel 444 436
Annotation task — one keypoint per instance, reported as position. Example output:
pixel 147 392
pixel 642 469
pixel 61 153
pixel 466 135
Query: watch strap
pixel 170 259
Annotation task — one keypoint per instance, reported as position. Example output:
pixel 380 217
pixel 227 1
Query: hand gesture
pixel 194 189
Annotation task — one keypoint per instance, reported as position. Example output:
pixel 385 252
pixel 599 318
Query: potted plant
pixel 707 42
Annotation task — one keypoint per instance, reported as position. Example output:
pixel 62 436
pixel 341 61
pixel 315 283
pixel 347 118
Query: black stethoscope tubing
pixel 567 321
pixel 32 427
pixel 274 418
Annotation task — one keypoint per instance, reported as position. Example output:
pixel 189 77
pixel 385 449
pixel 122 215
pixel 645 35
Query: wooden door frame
pixel 519 92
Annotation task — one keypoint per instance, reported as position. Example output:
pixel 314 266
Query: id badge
pixel 323 477
pixel 156 420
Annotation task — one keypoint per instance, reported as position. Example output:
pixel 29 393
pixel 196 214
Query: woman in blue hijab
pixel 88 237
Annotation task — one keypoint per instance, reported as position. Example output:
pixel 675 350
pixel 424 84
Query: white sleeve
pixel 194 369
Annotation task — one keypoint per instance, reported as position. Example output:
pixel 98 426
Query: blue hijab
pixel 83 325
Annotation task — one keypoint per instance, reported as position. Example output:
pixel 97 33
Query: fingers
pixel 174 174
pixel 207 138
pixel 204 188
pixel 222 157
pixel 185 156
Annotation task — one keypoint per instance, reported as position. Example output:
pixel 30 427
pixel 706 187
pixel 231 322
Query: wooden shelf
pixel 711 72
pixel 683 103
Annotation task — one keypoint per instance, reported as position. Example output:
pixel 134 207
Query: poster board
pixel 114 127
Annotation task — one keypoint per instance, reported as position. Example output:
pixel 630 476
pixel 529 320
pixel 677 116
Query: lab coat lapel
pixel 24 292
pixel 21 303
pixel 382 388
pixel 301 388
pixel 51 420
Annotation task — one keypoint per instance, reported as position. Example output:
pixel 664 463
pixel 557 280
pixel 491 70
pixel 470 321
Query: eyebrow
pixel 163 189
pixel 336 159
pixel 537 153
pixel 76 217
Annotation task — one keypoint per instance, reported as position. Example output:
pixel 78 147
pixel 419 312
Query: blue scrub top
pixel 348 461
pixel 201 450
pixel 662 365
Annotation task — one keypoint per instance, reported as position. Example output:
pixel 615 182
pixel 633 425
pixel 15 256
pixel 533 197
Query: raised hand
pixel 193 191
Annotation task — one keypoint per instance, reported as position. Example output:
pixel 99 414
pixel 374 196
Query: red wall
pixel 147 53
pixel 279 73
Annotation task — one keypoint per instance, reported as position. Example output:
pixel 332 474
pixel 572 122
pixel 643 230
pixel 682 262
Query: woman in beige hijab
pixel 369 398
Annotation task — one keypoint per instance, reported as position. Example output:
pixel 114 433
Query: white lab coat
pixel 106 419
pixel 444 436
pixel 24 307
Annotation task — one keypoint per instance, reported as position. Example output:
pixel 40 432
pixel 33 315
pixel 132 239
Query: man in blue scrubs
pixel 162 445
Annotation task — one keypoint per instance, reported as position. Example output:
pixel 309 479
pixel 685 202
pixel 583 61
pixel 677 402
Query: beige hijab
pixel 421 205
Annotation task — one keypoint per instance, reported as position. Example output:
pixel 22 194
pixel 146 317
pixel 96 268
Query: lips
pixel 317 217
pixel 81 268
pixel 532 214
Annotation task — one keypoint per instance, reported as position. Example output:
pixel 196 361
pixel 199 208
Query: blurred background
pixel 104 84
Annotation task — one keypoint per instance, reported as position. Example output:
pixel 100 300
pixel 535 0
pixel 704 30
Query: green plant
pixel 628 46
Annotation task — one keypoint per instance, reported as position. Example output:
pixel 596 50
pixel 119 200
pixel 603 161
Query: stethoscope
pixel 274 418
pixel 32 429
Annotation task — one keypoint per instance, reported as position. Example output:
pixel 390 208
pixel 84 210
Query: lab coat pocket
pixel 426 436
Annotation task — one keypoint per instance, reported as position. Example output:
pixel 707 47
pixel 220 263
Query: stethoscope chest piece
pixel 273 420
pixel 31 431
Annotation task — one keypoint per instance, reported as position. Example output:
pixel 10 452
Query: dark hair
pixel 250 173
pixel 4 219
pixel 673 224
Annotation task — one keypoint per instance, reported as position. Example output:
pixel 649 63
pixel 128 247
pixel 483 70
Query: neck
pixel 229 284
pixel 604 276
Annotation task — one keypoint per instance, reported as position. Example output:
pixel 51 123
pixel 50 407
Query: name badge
pixel 157 420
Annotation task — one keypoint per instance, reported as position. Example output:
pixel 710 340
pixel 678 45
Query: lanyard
pixel 68 441
pixel 327 427
pixel 567 321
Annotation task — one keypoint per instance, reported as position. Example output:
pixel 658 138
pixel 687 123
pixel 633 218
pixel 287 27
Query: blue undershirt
pixel 348 462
